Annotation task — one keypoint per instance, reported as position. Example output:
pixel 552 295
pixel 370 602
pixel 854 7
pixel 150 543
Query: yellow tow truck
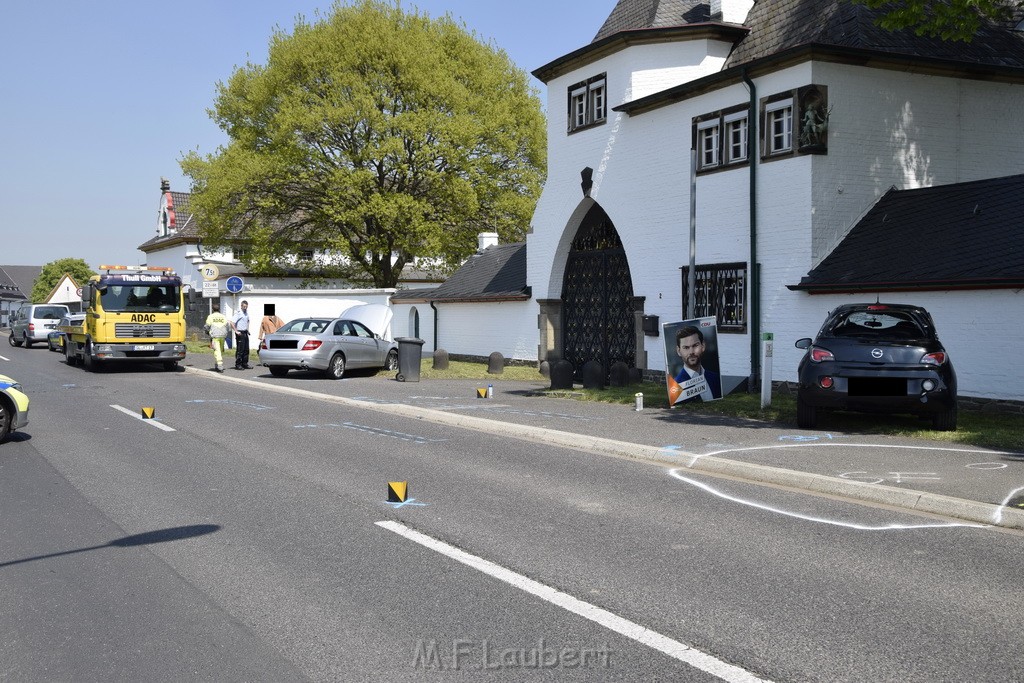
pixel 132 314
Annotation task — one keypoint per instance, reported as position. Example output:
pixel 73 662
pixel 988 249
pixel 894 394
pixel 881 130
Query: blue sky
pixel 101 99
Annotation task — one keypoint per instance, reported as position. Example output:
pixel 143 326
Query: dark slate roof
pixel 496 274
pixel 780 25
pixel 633 15
pixel 16 282
pixel 961 236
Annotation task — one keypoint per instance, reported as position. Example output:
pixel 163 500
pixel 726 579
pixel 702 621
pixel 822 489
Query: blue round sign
pixel 234 284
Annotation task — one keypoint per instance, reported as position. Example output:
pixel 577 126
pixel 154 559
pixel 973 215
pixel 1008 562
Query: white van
pixel 32 323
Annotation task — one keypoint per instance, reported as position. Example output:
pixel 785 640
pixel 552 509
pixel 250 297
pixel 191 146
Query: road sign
pixel 211 290
pixel 234 284
pixel 210 271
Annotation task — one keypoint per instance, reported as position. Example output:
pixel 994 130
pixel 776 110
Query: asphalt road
pixel 269 552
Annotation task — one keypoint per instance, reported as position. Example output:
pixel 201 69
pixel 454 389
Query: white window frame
pixel 778 113
pixel 736 150
pixel 588 103
pixel 708 143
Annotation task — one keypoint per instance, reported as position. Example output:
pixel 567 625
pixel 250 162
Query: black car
pixel 877 358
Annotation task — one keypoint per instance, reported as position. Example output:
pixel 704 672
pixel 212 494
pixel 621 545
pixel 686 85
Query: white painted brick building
pixel 902 112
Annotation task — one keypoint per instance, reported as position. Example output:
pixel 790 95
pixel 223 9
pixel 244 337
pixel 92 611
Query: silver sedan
pixel 329 345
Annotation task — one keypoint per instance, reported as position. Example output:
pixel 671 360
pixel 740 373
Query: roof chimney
pixel 486 239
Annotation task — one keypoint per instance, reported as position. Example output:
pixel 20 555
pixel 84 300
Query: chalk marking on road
pixel 895 477
pixel 694 457
pixel 139 417
pixel 673 648
pixel 403 503
pixel 819 520
pixel 806 437
pixel 986 466
pixel 415 438
pixel 997 517
pixel 257 406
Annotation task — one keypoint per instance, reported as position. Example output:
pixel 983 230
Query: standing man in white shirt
pixel 240 324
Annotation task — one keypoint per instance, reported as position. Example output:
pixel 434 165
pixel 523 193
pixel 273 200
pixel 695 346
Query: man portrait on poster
pixel 692 361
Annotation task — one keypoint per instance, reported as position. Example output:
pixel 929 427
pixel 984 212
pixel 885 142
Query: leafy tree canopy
pixel 52 272
pixel 949 20
pixel 376 133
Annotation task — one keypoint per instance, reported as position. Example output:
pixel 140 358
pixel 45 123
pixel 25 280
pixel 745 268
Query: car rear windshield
pixel 307 326
pixel 877 325
pixel 50 312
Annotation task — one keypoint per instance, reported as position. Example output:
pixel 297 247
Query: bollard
pixel 490 391
pixel 639 401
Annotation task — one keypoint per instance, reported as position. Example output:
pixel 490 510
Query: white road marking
pixel 999 513
pixel 4 358
pixel 819 520
pixel 634 631
pixel 138 416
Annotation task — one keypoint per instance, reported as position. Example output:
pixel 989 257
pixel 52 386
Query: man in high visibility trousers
pixel 217 326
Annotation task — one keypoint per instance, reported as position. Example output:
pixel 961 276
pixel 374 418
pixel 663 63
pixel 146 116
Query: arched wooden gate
pixel 598 320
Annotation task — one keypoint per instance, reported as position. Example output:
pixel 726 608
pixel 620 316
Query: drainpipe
pixel 435 324
pixel 755 270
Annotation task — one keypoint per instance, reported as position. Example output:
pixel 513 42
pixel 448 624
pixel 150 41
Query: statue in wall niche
pixel 814 124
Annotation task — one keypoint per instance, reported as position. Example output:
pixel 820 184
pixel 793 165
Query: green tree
pixel 949 19
pixel 52 272
pixel 375 133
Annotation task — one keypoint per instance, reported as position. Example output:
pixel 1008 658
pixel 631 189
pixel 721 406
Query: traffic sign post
pixel 234 284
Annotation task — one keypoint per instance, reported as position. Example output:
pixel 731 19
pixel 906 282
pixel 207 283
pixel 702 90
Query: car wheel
pixel 945 421
pixel 6 416
pixel 13 341
pixel 26 341
pixel 391 362
pixel 336 368
pixel 277 370
pixel 806 415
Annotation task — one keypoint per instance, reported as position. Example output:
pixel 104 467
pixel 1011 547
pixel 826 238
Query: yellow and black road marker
pixel 397 491
pixel 148 413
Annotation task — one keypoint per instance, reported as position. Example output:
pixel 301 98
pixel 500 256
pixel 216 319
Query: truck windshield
pixel 141 298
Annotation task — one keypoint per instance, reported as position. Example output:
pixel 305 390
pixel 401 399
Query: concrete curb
pixel 916 501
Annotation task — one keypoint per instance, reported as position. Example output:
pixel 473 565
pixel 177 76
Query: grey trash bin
pixel 410 353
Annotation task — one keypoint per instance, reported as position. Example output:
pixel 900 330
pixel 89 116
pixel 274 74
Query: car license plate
pixel 144 347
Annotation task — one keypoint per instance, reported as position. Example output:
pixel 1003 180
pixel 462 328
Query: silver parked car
pixel 355 340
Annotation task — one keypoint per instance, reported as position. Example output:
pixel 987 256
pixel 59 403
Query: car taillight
pixel 819 354
pixel 263 344
pixel 311 345
pixel 31 326
pixel 937 358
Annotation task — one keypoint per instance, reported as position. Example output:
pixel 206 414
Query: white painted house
pixel 802 117
pixel 178 244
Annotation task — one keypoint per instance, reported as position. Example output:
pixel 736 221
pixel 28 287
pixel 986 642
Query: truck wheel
pixel 170 365
pixel 88 363
pixel 69 355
